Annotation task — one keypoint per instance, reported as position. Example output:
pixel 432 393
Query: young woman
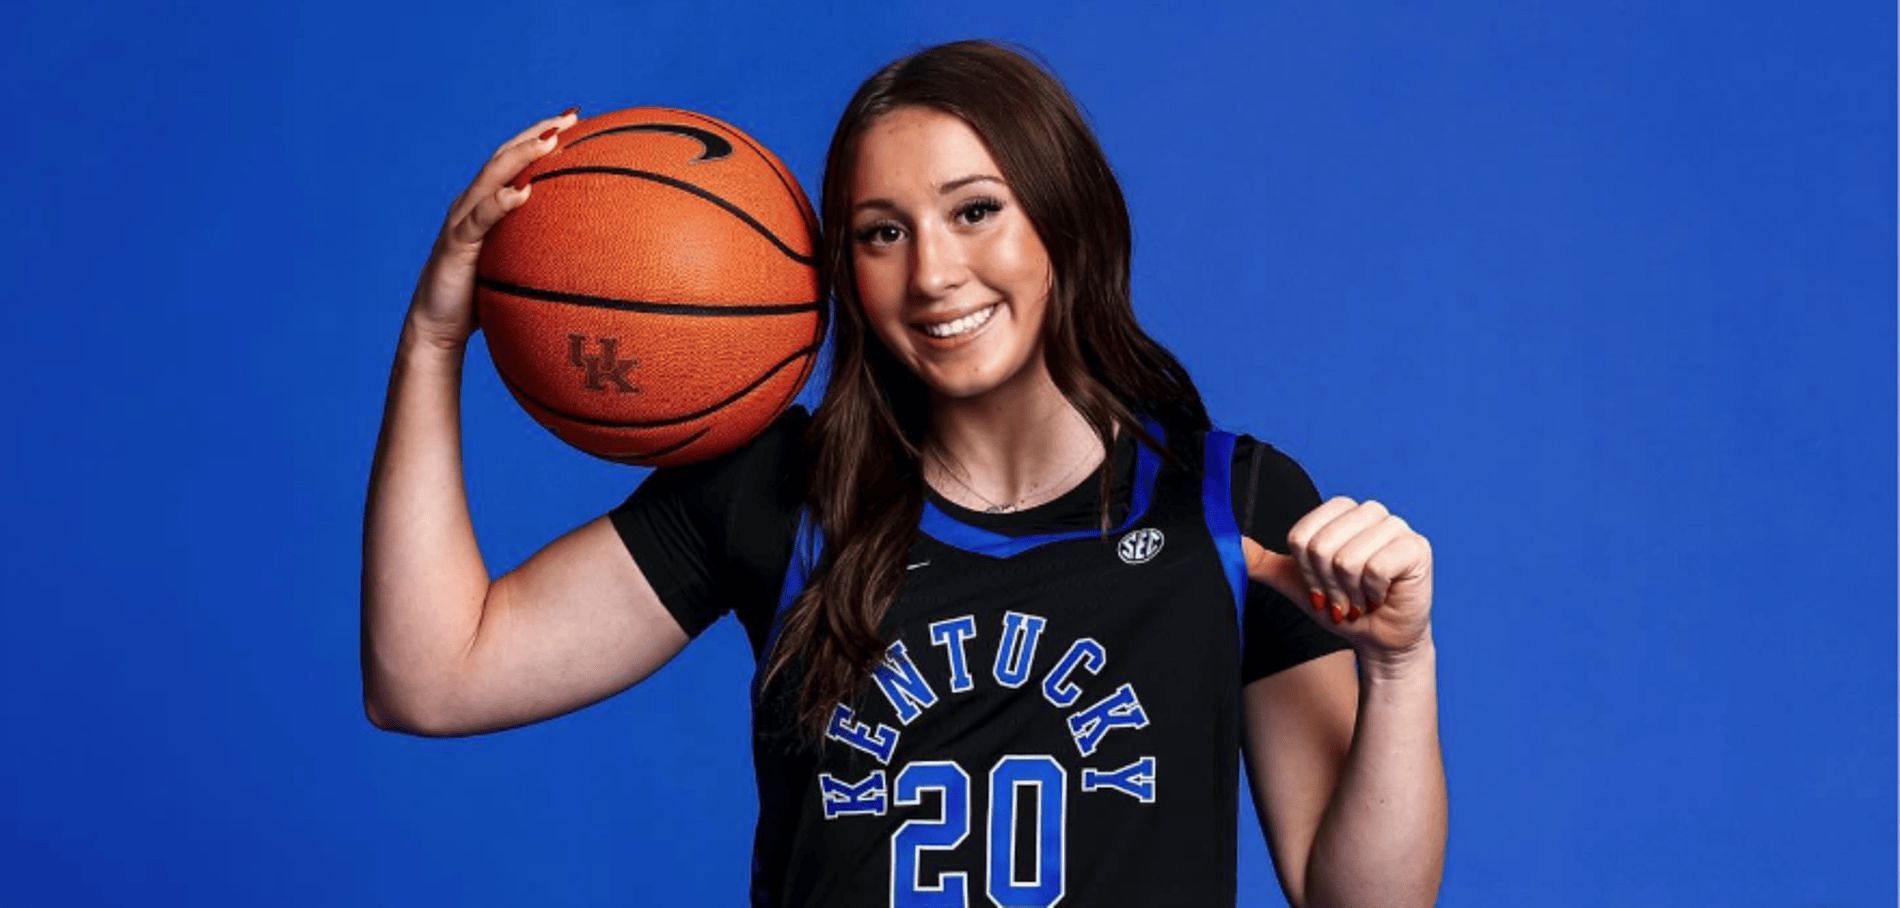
pixel 1019 608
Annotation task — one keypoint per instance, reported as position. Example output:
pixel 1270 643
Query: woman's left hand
pixel 1364 572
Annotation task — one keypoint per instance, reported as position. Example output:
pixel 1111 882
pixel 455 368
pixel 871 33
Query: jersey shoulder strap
pixel 1217 508
pixel 807 545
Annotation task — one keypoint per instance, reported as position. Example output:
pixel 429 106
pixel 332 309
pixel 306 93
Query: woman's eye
pixel 877 231
pixel 981 208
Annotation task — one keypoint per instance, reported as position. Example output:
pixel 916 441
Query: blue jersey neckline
pixel 939 525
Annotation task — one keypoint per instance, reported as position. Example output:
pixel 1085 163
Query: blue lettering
pixel 1136 780
pixel 1056 687
pixel 907 690
pixel 950 634
pixel 1120 709
pixel 1018 649
pixel 850 731
pixel 844 799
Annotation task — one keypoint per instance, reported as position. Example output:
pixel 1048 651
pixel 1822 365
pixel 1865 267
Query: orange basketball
pixel 655 300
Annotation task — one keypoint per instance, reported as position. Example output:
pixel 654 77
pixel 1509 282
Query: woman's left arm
pixel 1380 837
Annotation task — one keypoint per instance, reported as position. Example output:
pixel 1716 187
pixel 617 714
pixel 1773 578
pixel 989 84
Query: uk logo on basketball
pixel 606 366
pixel 1140 545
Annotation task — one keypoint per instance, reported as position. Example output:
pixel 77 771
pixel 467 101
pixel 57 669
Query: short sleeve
pixel 714 536
pixel 1279 634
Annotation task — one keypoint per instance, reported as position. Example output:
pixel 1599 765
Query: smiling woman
pixel 998 584
pixel 951 274
pixel 1016 605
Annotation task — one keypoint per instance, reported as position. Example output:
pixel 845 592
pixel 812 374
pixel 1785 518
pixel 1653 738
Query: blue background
pixel 1599 296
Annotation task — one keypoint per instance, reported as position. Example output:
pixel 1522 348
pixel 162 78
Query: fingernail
pixel 570 111
pixel 546 133
pixel 1334 611
pixel 1354 614
pixel 1319 599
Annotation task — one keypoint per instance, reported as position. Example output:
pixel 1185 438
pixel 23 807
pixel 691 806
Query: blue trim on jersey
pixel 978 540
pixel 807 545
pixel 1217 507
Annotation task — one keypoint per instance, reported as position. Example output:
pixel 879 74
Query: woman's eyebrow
pixel 943 188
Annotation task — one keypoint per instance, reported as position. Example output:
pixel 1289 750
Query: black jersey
pixel 1057 717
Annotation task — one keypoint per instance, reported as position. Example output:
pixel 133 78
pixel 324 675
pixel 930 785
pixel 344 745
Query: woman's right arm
pixel 445 650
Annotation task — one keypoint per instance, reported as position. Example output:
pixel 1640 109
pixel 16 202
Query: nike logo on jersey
pixel 912 567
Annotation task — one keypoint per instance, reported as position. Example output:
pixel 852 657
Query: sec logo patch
pixel 1140 545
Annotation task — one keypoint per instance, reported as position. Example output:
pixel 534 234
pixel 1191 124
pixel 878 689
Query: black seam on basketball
pixel 638 456
pixel 608 302
pixel 657 423
pixel 811 221
pixel 804 372
pixel 817 341
pixel 706 139
pixel 683 186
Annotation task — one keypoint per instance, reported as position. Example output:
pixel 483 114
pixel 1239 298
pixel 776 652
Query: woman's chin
pixel 971 382
pixel 959 391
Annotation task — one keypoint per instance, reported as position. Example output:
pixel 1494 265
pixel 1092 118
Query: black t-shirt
pixel 716 536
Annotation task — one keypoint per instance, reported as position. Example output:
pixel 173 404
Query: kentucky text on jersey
pixel 903 684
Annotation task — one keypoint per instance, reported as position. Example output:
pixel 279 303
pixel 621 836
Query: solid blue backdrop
pixel 1598 297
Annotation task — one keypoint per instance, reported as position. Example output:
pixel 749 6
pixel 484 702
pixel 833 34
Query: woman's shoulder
pixel 777 453
pixel 771 457
pixel 765 476
pixel 716 534
pixel 1266 476
pixel 1247 447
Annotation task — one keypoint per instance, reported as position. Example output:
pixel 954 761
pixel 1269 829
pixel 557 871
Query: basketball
pixel 655 300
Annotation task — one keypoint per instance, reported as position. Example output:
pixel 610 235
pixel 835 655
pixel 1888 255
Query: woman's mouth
pixel 957 331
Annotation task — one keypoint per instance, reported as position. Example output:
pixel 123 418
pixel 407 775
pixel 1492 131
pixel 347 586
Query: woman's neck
pixel 1012 446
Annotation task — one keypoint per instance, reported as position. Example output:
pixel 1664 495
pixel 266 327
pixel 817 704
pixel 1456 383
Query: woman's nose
pixel 937 265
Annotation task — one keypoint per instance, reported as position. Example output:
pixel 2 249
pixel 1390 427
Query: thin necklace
pixel 995 508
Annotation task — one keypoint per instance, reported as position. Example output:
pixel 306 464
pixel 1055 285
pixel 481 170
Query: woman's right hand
pixel 442 310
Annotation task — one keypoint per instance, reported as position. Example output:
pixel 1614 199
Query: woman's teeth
pixel 963 325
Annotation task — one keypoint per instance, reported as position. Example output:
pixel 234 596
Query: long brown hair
pixel 866 491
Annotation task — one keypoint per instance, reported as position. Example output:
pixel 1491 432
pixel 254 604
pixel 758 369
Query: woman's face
pixel 951 275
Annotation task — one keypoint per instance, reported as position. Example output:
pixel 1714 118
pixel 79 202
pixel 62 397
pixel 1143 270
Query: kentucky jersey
pixel 1055 719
